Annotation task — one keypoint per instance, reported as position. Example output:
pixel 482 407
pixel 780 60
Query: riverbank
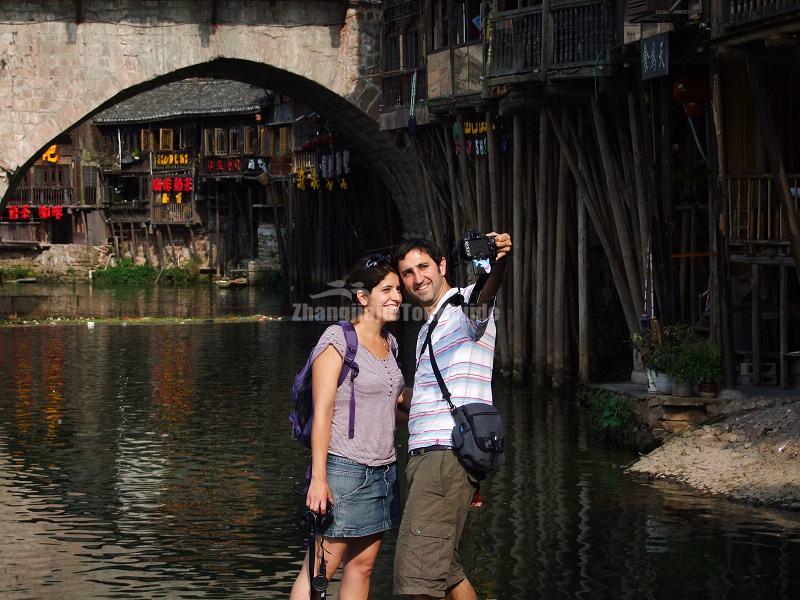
pixel 91 322
pixel 752 456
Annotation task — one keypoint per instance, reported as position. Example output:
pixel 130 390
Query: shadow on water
pixel 156 462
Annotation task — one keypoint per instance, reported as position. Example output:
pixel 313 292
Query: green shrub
pixel 686 357
pixel 127 273
pixel 16 272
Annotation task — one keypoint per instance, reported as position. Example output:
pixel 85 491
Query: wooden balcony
pixel 163 214
pixel 746 12
pixel 42 196
pixel 456 73
pixel 755 212
pixel 519 47
pixel 397 88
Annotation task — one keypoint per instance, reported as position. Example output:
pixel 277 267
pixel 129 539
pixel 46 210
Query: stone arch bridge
pixel 62 62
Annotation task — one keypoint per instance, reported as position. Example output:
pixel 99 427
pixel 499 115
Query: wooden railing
pixel 514 42
pixel 42 196
pixel 172 213
pixel 397 88
pixel 741 12
pixel 755 211
pixel 582 31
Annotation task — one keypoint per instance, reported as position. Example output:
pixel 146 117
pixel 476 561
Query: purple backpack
pixel 302 402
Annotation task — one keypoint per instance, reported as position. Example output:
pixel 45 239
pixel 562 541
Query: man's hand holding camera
pixel 502 243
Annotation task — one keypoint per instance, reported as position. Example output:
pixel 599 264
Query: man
pixel 439 490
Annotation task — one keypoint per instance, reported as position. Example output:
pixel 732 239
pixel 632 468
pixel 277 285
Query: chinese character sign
pixel 224 165
pixel 655 56
pixel 172 189
pixel 25 212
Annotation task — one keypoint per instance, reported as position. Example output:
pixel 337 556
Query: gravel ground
pixel 752 457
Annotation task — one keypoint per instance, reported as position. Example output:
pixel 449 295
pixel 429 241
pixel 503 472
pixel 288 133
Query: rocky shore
pixel 751 456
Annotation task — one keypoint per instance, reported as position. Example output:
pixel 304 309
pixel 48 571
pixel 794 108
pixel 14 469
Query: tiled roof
pixel 187 98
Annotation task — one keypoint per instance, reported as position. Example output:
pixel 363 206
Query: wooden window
pixel 220 142
pixel 250 139
pixel 165 139
pixel 439 31
pixel 184 138
pixel 264 147
pixel 234 146
pixel 208 142
pixel 146 143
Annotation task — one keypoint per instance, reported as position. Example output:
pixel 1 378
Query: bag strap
pixel 454 300
pixel 350 366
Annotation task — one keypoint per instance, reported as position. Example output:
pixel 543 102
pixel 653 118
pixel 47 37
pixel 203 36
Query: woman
pixel 357 474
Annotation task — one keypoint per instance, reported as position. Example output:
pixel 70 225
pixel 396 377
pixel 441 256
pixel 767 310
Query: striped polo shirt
pixel 464 349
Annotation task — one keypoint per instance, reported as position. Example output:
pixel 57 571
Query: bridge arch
pixel 58 72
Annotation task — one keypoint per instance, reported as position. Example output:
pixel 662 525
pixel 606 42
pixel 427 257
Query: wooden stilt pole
pixel 755 328
pixel 540 315
pixel 770 137
pixel 583 296
pixel 559 282
pixel 517 229
pixel 494 183
pixel 783 313
pixel 469 203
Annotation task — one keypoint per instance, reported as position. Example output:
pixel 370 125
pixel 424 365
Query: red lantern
pixel 13 213
pixel 24 212
pixel 157 184
pixel 55 212
pixel 44 212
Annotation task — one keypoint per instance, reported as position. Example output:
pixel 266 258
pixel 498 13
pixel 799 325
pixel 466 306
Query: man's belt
pixel 421 451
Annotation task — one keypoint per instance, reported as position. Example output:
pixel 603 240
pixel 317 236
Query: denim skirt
pixel 365 499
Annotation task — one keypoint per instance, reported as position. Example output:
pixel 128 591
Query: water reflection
pixel 156 462
pixel 40 301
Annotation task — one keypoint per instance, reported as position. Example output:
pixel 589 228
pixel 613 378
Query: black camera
pixel 480 249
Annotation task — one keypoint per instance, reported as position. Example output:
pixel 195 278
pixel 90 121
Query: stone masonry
pixel 58 68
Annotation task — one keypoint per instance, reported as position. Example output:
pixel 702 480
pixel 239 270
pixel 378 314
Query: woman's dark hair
pixel 416 244
pixel 368 272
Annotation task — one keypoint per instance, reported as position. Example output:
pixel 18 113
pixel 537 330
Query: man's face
pixel 422 277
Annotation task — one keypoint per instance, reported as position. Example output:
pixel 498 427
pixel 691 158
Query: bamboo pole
pixel 770 137
pixel 617 271
pixel 629 259
pixel 583 296
pixel 540 315
pixel 469 204
pixel 494 183
pixel 447 149
pixel 559 281
pixel 638 166
pixel 517 230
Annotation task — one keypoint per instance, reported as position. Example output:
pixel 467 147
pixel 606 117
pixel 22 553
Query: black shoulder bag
pixel 478 435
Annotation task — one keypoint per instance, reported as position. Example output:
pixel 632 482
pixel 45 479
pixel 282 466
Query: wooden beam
pixel 540 281
pixel 770 138
pixel 494 183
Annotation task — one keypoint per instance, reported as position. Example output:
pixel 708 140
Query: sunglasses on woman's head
pixel 376 260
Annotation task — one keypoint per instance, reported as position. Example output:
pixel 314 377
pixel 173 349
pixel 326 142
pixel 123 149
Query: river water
pixel 154 461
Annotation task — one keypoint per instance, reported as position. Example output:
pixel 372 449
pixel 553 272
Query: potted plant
pixel 677 357
pixel 647 344
pixel 709 368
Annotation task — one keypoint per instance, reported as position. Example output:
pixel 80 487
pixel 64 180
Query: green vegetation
pixel 7 273
pixel 127 273
pixel 686 357
pixel 611 419
pixel 607 409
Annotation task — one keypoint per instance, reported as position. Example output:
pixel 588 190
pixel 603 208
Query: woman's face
pixel 383 301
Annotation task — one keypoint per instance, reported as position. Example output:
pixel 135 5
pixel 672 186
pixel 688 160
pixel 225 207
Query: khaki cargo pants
pixel 439 492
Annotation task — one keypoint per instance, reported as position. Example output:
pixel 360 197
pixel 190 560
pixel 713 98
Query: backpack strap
pixel 350 366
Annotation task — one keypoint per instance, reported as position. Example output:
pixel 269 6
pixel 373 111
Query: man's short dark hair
pixel 416 244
